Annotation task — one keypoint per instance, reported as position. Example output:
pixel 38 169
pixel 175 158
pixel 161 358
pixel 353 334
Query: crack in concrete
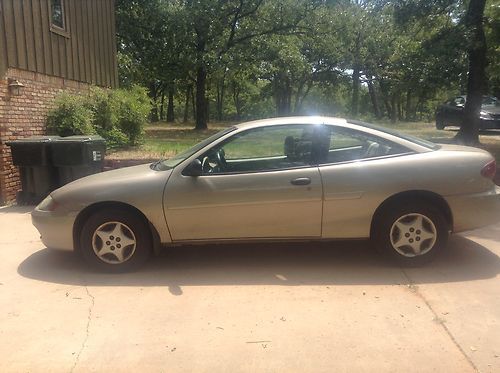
pixel 87 329
pixel 414 288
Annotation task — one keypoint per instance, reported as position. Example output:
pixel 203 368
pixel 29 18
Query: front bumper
pixel 56 230
pixel 473 211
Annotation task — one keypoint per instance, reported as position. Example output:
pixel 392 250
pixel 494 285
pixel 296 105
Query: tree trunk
pixel 236 100
pixel 408 107
pixel 477 48
pixel 162 105
pixel 385 96
pixel 394 106
pixel 400 109
pixel 170 107
pixel 282 94
pixel 201 100
pixel 153 94
pixel 355 91
pixel 220 99
pixel 186 104
pixel 193 102
pixel 374 99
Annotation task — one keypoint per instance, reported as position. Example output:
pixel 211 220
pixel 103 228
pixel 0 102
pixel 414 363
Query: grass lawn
pixel 165 140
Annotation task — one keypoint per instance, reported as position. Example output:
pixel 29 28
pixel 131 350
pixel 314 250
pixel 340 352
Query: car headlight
pixel 48 204
pixel 484 115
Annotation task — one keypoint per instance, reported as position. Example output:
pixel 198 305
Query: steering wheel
pixel 214 162
pixel 220 156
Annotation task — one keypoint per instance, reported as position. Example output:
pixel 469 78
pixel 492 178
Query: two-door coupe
pixel 299 178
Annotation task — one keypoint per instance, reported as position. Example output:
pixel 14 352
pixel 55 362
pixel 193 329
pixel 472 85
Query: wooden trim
pixel 63 31
pixel 29 34
pixel 4 58
pixel 22 58
pixel 38 36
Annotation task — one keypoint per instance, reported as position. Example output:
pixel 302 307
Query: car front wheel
pixel 440 124
pixel 411 234
pixel 115 241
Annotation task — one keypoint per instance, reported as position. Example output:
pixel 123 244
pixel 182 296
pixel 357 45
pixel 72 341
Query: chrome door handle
pixel 301 181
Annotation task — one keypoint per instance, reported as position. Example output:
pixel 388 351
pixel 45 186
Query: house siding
pixel 85 52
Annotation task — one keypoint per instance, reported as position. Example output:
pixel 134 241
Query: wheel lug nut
pixel 411 240
pixel 407 235
pixel 111 238
pixel 112 247
pixel 108 243
pixel 118 239
pixel 418 231
pixel 412 230
pixel 118 246
pixel 418 238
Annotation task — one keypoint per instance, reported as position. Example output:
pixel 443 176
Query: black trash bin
pixel 78 156
pixel 38 176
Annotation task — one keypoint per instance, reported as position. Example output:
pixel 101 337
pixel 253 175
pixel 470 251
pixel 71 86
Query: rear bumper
pixel 56 230
pixel 488 124
pixel 475 210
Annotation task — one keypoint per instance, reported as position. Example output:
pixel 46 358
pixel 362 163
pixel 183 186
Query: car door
pixel 456 110
pixel 259 183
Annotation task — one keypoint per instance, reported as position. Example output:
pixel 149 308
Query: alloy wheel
pixel 413 235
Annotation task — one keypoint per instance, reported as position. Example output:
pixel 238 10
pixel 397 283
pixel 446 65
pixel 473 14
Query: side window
pixel 58 17
pixel 261 149
pixel 350 145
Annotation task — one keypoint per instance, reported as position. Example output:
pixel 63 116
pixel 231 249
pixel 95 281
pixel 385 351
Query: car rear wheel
pixel 115 241
pixel 410 234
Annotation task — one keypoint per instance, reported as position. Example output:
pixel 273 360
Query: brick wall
pixel 24 116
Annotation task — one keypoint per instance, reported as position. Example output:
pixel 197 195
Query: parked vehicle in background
pixel 299 178
pixel 451 112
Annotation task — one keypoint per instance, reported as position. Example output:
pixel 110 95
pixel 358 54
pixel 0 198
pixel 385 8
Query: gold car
pixel 299 178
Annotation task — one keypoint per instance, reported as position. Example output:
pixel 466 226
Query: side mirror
pixel 193 169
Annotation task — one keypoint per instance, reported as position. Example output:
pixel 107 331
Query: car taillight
pixel 489 170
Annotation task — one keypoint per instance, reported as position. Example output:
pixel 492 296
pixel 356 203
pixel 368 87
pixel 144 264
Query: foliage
pixel 244 59
pixel 131 108
pixel 70 116
pixel 118 115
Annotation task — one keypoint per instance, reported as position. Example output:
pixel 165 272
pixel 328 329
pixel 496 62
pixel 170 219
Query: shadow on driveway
pixel 339 263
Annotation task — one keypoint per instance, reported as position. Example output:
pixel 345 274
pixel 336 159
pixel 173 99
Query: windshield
pixel 413 139
pixel 167 164
pixel 490 101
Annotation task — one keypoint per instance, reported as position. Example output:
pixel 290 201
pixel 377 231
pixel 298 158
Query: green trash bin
pixel 78 156
pixel 38 176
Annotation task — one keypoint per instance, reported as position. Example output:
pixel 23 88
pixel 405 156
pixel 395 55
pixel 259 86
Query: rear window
pixel 413 139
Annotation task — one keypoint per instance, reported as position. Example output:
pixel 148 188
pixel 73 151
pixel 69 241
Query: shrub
pixel 132 109
pixel 99 103
pixel 70 116
pixel 118 115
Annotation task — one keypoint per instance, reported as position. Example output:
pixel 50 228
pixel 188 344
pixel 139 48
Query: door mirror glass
pixel 194 169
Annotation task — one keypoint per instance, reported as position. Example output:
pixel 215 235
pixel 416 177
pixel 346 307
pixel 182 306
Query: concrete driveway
pixel 252 308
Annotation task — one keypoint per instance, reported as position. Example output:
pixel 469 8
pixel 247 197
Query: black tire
pixel 406 214
pixel 133 229
pixel 440 124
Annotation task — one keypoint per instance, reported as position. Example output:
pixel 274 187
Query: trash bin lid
pixel 34 139
pixel 81 138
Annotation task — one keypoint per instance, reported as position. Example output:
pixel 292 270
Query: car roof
pixel 299 120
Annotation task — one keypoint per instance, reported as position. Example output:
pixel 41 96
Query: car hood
pixel 125 185
pixel 491 109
